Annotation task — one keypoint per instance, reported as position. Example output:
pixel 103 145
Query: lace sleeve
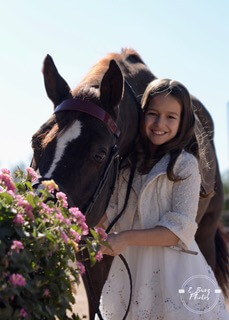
pixel 185 197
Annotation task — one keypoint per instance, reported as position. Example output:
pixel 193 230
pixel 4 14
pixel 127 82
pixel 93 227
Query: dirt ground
pixel 82 305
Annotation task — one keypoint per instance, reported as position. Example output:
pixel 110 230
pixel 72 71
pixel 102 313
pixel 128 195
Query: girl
pixel 171 279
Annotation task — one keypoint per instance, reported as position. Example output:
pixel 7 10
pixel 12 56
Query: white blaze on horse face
pixel 70 134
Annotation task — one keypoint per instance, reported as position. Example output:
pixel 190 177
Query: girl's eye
pixel 151 113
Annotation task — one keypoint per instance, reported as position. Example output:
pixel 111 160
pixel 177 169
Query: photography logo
pixel 199 294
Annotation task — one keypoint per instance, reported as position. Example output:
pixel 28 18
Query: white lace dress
pixel 167 284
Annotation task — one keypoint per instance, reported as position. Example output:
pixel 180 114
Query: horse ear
pixel 56 87
pixel 111 88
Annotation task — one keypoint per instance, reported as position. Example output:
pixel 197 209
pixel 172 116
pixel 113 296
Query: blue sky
pixel 183 40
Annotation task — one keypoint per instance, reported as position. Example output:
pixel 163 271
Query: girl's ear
pixel 111 89
pixel 56 87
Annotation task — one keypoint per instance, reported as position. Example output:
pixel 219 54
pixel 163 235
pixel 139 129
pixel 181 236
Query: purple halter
pixel 91 109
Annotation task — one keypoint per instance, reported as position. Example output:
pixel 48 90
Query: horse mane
pixel 91 82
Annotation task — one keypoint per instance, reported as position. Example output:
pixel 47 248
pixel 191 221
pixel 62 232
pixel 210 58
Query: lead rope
pixel 131 177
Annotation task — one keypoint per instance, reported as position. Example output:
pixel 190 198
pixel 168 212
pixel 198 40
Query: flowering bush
pixel 39 239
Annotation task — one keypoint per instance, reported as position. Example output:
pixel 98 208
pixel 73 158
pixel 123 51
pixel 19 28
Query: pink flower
pixel 84 228
pixel 6 180
pixel 80 267
pixel 31 174
pixel 67 222
pixel 46 209
pixel 20 200
pixel 30 215
pixel 62 199
pixel 11 193
pixel 23 203
pixel 6 171
pixel 19 219
pixel 46 293
pixel 77 214
pixel 61 196
pixel 101 233
pixel 17 280
pixel 17 246
pixel 26 206
pixel 59 216
pixel 64 236
pixel 50 185
pixel 23 313
pixel 99 256
pixel 75 235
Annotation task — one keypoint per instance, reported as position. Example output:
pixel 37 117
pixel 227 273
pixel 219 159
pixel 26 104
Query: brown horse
pixel 75 148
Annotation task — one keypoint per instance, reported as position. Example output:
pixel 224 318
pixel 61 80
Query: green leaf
pixel 34 233
pixel 21 187
pixel 8 198
pixel 30 199
pixel 94 234
pixel 51 237
pixel 93 261
pixel 18 174
pixel 29 186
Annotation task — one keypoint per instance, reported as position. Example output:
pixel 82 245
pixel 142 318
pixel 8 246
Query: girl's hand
pixel 117 243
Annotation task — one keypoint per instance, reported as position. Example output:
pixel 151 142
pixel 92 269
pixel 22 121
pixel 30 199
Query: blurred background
pixel 182 40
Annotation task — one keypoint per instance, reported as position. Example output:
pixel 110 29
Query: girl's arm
pixel 175 227
pixel 181 218
pixel 158 236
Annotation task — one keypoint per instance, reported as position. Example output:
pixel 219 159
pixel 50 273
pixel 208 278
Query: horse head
pixel 75 148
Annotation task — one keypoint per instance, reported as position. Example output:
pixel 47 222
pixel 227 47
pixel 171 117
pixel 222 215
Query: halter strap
pixel 90 108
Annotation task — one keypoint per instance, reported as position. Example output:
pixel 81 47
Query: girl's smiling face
pixel 162 118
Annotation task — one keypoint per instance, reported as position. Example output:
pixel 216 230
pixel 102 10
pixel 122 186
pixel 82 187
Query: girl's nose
pixel 157 121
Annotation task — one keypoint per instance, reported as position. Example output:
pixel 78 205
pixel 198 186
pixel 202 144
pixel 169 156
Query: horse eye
pixel 100 156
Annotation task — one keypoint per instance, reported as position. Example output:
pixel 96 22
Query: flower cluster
pixel 40 240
